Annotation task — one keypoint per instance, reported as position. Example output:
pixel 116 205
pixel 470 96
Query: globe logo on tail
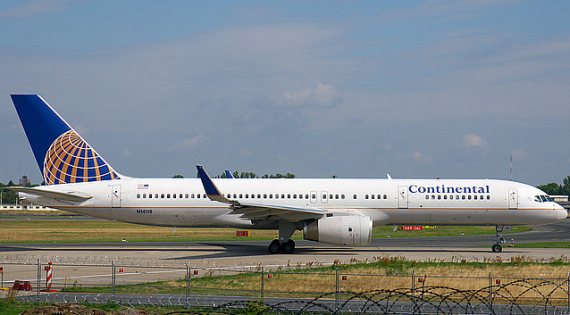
pixel 70 159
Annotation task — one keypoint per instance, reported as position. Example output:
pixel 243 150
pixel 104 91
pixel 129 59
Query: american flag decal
pixel 142 186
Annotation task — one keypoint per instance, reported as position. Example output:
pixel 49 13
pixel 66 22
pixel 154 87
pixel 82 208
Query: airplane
pixel 334 211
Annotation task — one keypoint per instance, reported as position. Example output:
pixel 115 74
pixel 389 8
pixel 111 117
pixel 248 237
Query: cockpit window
pixel 543 198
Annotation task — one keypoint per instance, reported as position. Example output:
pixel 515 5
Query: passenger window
pixel 469 197
pixel 365 196
pixel 371 196
pixel 144 196
pixel 427 196
pixel 276 196
pixel 282 196
pixel 354 197
pixel 294 196
pixel 289 196
pixel 270 196
pixel 342 196
pixel 324 196
pixel 481 197
pixel 488 197
pixel 445 197
pixel 330 196
pixel 306 196
pixel 300 196
pixel 451 197
pixel 204 195
pixel 336 196
pixel 314 196
pixel 385 196
pixel 198 196
pixel 173 195
pixel 438 196
pixel 150 196
pixel 265 196
pixel 138 196
pixel 258 196
pixel 463 197
pixel 186 196
pixel 475 197
pixel 162 196
pixel 432 196
pixel 180 196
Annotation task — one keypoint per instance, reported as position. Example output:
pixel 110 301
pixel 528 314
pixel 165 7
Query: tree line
pixel 557 189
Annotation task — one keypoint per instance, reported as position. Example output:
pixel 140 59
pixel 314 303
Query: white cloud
pixel 473 141
pixel 323 95
pixel 194 141
pixel 420 157
pixel 518 154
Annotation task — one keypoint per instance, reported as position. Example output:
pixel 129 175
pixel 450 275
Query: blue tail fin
pixel 62 155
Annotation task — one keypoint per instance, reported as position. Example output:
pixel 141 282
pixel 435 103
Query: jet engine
pixel 341 230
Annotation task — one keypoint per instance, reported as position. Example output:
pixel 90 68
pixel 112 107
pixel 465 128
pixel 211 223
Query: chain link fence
pixel 279 288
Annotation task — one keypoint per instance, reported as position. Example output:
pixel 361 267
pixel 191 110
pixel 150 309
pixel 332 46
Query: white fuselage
pixel 183 203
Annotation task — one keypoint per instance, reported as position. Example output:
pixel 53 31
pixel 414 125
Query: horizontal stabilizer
pixel 73 196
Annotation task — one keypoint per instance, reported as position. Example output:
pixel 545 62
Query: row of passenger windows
pixel 458 197
pixel 258 196
pixel 168 196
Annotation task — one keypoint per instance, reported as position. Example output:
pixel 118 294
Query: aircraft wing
pixel 72 196
pixel 255 211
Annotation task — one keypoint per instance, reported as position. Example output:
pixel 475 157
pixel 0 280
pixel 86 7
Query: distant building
pixel 559 198
pixel 24 181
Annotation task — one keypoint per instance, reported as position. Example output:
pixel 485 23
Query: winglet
pixel 211 190
pixel 229 174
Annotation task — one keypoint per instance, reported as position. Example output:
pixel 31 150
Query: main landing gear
pixel 276 247
pixel 497 248
pixel 284 244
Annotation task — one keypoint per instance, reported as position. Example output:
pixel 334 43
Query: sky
pixel 416 89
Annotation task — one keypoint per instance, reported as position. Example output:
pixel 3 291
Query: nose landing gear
pixel 497 248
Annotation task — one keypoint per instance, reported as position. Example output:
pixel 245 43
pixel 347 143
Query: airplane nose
pixel 561 213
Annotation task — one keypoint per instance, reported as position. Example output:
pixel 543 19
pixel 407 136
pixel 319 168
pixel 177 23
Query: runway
pixel 252 253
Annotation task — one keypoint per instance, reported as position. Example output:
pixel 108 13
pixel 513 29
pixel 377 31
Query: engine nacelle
pixel 341 230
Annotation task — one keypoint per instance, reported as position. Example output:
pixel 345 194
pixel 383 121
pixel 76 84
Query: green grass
pixel 95 231
pixel 544 245
pixel 10 307
pixel 300 282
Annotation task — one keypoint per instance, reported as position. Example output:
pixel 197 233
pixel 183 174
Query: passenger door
pixel 403 197
pixel 116 196
pixel 513 198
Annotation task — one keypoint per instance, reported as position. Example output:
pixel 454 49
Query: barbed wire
pixel 524 296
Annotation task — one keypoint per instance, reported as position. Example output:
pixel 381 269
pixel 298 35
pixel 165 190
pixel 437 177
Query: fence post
pixel 187 285
pixel 413 282
pixel 113 280
pixel 490 297
pixel 337 290
pixel 262 285
pixel 38 280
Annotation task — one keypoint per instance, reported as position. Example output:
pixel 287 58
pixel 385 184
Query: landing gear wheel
pixel 274 247
pixel 496 248
pixel 288 247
